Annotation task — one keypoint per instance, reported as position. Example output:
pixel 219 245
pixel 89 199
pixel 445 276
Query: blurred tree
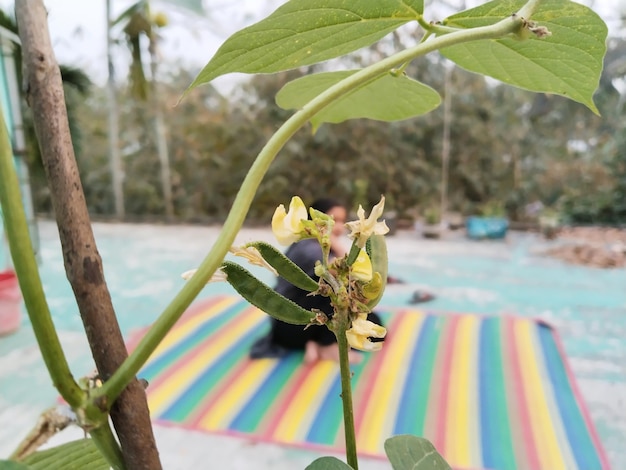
pixel 138 22
pixel 508 147
pixel 77 86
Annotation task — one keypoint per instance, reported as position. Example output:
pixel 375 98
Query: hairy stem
pixel 260 166
pixel 105 441
pixel 528 9
pixel 346 398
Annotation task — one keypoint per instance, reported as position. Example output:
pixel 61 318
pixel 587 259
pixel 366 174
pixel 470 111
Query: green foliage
pixel 413 453
pixel 75 455
pixel 318 30
pixel 603 207
pixel 432 216
pixel 324 29
pixel 567 63
pixel 500 152
pixel 392 97
pixel 493 208
pixel 596 201
pixel 328 463
pixel 11 465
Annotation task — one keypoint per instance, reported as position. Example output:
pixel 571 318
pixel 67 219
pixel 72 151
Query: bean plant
pixel 545 46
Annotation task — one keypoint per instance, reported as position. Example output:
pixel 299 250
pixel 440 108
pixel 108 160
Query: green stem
pixel 434 28
pixel 105 441
pixel 113 387
pixel 25 264
pixel 528 9
pixel 346 398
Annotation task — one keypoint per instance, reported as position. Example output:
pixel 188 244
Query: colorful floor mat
pixel 488 392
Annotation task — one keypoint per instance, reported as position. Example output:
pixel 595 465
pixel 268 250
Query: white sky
pixel 78 29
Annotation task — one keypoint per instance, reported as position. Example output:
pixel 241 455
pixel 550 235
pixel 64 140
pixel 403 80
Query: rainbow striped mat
pixel 488 392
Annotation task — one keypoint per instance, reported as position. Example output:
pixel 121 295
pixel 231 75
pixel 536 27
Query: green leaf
pixel 328 463
pixel 285 267
pixel 75 455
pixel 264 297
pixel 11 465
pixel 389 98
pixel 414 453
pixel 304 32
pixel 567 63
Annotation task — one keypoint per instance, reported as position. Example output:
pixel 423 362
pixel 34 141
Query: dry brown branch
pixel 83 264
pixel 49 423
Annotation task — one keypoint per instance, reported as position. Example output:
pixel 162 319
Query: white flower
pixel 253 256
pixel 361 269
pixel 218 276
pixel 362 329
pixel 287 226
pixel 362 229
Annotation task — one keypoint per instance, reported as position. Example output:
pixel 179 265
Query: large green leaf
pixel 389 98
pixel 304 32
pixel 567 63
pixel 11 465
pixel 328 463
pixel 406 452
pixel 75 455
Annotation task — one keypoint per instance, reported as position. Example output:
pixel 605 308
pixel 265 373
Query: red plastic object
pixel 10 302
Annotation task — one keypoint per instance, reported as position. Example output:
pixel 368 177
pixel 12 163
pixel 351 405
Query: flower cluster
pixel 352 282
pixel 359 282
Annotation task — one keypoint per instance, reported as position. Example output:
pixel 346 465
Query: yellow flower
pixel 218 276
pixel 362 329
pixel 253 256
pixel 362 229
pixel 361 269
pixel 287 226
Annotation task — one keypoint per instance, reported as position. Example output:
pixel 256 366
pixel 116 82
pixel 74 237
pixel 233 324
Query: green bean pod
pixel 285 267
pixel 264 297
pixel 376 248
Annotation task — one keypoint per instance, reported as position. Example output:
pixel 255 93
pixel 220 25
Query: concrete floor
pixel 143 262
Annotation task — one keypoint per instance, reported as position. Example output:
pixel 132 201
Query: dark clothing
pixel 304 253
pixel 284 337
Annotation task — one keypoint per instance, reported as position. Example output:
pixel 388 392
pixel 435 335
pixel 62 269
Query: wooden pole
pixel 83 265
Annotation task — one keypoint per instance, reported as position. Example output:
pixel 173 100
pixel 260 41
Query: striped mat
pixel 488 392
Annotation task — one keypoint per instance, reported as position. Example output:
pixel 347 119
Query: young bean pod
pixel 264 297
pixel 285 267
pixel 376 248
